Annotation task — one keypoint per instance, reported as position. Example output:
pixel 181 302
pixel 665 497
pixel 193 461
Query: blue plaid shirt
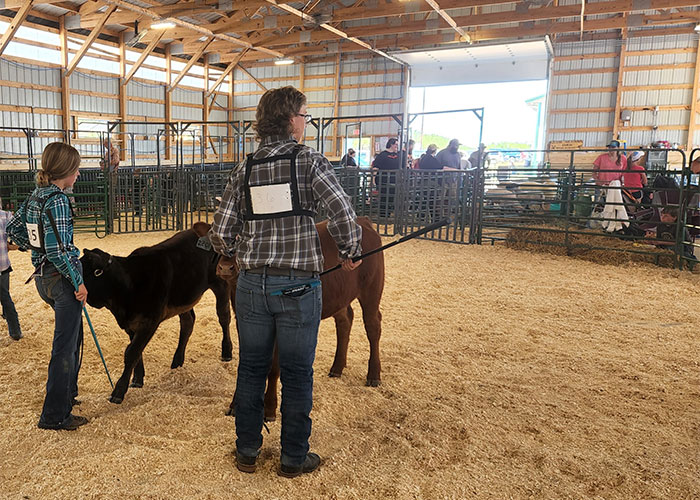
pixel 4 257
pixel 61 211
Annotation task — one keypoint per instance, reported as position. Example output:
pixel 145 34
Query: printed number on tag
pixel 33 235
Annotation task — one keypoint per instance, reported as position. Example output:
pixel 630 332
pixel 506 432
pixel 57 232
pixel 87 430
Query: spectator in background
pixel 409 154
pixel 428 160
pixel 8 306
pixel 449 157
pixel 386 182
pixel 349 159
pixel 110 162
pixel 477 157
pixel 609 166
pixel 634 179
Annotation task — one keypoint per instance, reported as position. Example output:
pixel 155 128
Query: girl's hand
pixel 81 294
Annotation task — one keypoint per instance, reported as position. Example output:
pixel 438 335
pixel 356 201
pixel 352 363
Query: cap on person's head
pixel 455 143
pixel 351 151
pixel 432 147
pixel 391 142
pixel 613 144
pixel 636 155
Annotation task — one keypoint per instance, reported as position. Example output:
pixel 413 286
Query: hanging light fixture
pixel 697 27
pixel 284 61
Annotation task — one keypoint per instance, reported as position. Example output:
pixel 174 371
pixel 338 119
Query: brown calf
pixel 340 288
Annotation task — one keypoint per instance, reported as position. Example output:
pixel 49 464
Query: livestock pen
pixel 505 375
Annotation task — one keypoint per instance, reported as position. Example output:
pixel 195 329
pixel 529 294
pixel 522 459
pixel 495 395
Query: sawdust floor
pixel 505 375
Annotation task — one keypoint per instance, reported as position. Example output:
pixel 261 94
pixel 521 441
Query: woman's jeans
pixel 8 307
pixel 293 323
pixel 62 384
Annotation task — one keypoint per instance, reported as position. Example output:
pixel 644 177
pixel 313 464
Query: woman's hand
pixel 81 294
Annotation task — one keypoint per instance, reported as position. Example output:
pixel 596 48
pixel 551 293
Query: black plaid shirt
pixel 291 241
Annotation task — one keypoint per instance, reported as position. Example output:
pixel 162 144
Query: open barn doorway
pixel 509 81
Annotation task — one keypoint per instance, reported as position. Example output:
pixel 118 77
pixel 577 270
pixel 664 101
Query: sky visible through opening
pixel 507 116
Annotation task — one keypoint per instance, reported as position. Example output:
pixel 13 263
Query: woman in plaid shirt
pixel 266 219
pixel 32 228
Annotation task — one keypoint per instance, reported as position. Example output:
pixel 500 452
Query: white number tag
pixel 271 199
pixel 33 235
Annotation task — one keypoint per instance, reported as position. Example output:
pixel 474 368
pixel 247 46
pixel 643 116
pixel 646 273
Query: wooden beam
pixel 143 56
pixel 65 80
pixel 620 78
pixel 448 19
pixel 205 104
pixel 692 126
pixel 193 27
pixel 91 38
pixel 168 101
pixel 15 24
pixel 229 117
pixel 190 63
pixel 226 72
pixel 122 97
pixel 336 102
pixel 302 76
pixel 335 31
pixel 245 71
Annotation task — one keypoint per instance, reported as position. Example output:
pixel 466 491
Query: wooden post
pixel 205 106
pixel 336 106
pixel 168 101
pixel 302 75
pixel 694 103
pixel 122 98
pixel 620 77
pixel 229 115
pixel 65 80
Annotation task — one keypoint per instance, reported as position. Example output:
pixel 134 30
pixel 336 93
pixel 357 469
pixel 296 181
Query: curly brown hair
pixel 275 110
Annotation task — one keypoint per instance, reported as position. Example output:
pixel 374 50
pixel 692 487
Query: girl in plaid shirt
pixel 31 227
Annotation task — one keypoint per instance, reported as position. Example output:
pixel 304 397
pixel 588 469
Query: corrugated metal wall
pixel 647 83
pixel 371 86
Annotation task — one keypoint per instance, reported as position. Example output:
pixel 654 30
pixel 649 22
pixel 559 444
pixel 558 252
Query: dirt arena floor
pixel 505 375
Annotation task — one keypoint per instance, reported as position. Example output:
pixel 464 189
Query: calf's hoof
pixel 333 374
pixel 138 385
pixel 373 382
pixel 176 364
pixel 270 419
pixel 226 358
pixel 116 400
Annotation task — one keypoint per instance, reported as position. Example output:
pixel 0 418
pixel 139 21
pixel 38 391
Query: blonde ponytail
pixel 42 178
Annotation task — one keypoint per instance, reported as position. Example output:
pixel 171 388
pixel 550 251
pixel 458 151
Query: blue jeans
pixel 62 383
pixel 293 322
pixel 8 307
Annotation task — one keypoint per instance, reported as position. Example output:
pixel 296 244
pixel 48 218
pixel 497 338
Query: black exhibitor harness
pixel 273 200
pixel 35 230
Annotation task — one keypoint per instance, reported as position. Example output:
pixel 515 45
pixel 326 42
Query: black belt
pixel 276 271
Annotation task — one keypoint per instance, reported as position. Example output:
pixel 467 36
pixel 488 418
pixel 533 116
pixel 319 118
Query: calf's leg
pixel 139 372
pixel 132 354
pixel 373 326
pixel 222 293
pixel 343 325
pixel 186 327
